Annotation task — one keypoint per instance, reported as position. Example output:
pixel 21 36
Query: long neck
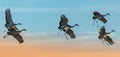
pixel 17 24
pixel 72 26
pixel 110 32
pixel 106 14
pixel 21 30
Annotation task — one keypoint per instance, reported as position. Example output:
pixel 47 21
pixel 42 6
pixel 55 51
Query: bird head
pixel 24 30
pixel 76 25
pixel 107 14
pixel 113 31
pixel 19 24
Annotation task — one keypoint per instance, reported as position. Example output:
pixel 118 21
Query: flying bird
pixel 64 26
pixel 97 16
pixel 104 36
pixel 11 27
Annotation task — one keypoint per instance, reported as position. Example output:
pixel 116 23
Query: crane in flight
pixel 11 27
pixel 104 36
pixel 64 26
pixel 99 17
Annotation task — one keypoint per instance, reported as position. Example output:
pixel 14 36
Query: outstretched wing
pixel 70 33
pixel 8 17
pixel 18 37
pixel 63 21
pixel 99 16
pixel 109 40
pixel 16 34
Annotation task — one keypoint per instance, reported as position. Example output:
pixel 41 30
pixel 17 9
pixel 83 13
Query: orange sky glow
pixel 71 48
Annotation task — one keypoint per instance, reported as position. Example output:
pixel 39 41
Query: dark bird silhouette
pixel 11 26
pixel 97 16
pixel 9 21
pixel 104 36
pixel 64 26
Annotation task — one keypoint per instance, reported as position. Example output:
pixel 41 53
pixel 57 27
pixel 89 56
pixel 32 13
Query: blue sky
pixel 44 15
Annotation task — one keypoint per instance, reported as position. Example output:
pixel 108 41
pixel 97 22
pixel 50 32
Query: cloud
pixel 87 36
pixel 34 33
pixel 43 33
pixel 79 36
pixel 44 37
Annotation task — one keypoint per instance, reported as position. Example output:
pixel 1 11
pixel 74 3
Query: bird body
pixel 11 26
pixel 97 16
pixel 103 35
pixel 64 26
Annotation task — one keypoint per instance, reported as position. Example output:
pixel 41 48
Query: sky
pixel 44 15
pixel 41 19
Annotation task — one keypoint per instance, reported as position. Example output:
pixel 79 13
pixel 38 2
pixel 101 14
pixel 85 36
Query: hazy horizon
pixel 52 46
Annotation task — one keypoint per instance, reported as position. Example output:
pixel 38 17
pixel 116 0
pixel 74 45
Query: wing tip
pixel 21 42
pixel 73 37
